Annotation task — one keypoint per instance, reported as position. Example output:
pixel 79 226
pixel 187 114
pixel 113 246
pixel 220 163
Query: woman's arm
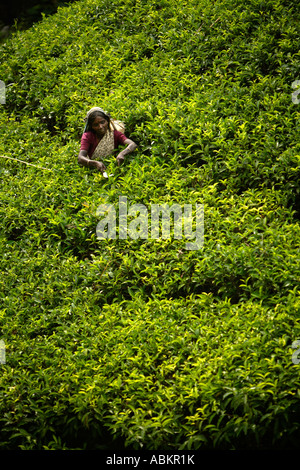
pixel 85 161
pixel 131 146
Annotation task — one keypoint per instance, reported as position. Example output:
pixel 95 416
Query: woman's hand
pixel 100 166
pixel 131 146
pixel 85 161
pixel 120 159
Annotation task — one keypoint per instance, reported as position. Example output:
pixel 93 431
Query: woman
pixel 99 140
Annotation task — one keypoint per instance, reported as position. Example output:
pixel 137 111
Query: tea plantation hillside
pixel 139 342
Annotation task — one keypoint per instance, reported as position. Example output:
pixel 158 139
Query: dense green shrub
pixel 142 343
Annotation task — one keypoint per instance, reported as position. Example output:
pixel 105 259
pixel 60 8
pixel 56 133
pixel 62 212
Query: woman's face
pixel 100 126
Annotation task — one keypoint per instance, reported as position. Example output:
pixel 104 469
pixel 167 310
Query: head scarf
pixel 114 125
pixel 92 110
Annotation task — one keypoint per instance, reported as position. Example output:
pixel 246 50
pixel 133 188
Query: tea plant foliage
pixel 140 343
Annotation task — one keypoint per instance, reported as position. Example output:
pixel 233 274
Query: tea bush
pixel 141 343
